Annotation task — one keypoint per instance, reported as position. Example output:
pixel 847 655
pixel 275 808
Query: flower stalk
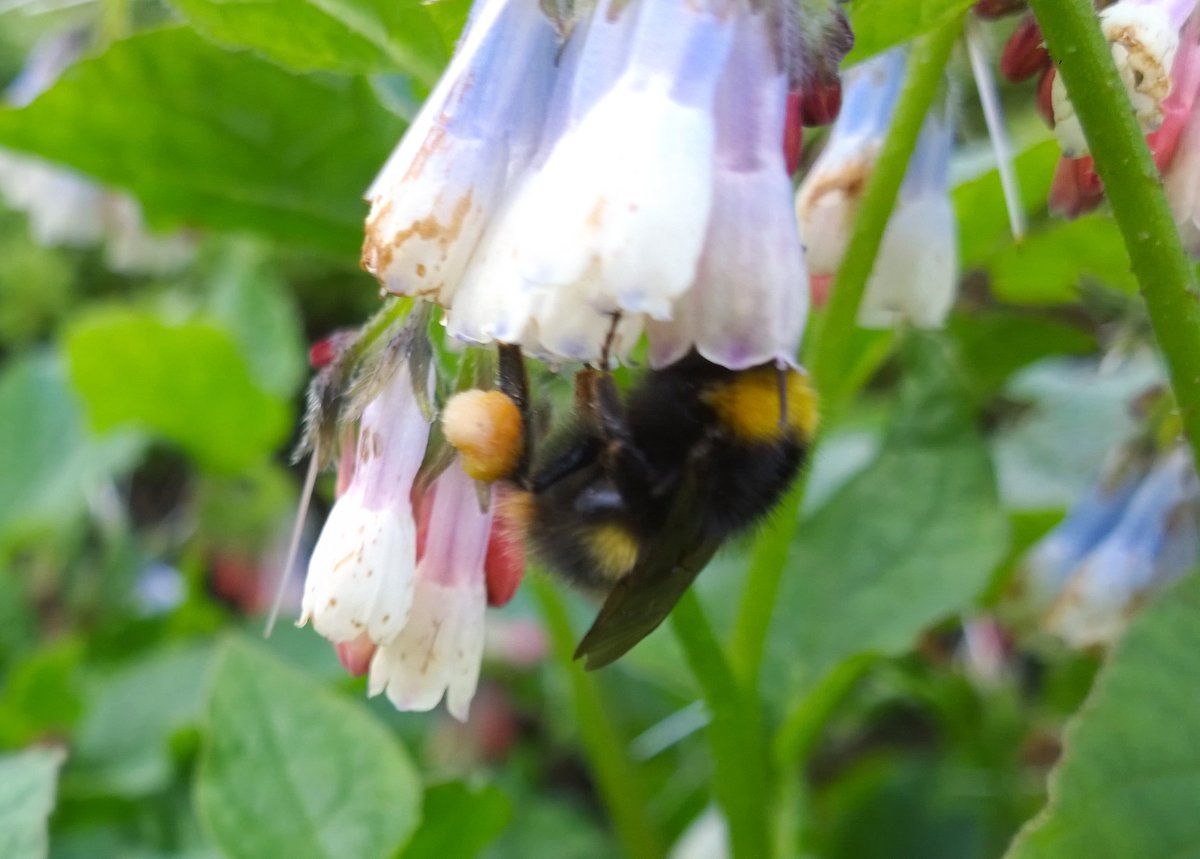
pixel 1167 277
pixel 832 349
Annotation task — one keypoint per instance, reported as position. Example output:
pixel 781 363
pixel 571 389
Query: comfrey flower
pixel 916 273
pixel 1144 36
pixel 551 194
pixel 360 575
pixel 1126 538
pixel 1173 138
pixel 440 648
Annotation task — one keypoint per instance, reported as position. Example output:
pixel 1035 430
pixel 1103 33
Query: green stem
pixel 1118 145
pixel 832 354
pixel 735 733
pixel 616 779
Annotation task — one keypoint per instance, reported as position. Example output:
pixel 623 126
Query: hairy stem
pixel 1166 275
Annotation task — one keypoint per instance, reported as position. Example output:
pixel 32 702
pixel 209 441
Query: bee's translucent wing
pixel 642 600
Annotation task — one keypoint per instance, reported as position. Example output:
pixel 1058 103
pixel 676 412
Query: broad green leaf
pixel 290 769
pixel 47 459
pixel 457 821
pixel 997 344
pixel 1048 267
pixel 27 783
pixel 882 24
pixel 1076 412
pixel 261 313
pixel 983 224
pixel 333 35
pixel 909 540
pixel 186 382
pixel 122 745
pixel 1127 784
pixel 205 137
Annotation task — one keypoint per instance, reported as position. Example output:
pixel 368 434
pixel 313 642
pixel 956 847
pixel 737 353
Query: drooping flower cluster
pixel 1134 531
pixel 570 185
pixel 398 579
pixel 1156 46
pixel 634 172
pixel 916 272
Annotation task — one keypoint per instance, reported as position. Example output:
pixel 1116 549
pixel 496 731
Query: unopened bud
pixel 355 655
pixel 998 8
pixel 1025 52
pixel 486 429
pixel 820 104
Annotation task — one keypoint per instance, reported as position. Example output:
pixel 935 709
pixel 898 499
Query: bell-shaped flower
pixel 916 271
pixel 1077 187
pixel 613 217
pixel 1050 564
pixel 1144 36
pixel 1156 540
pixel 915 279
pixel 439 650
pixel 442 185
pixel 361 573
pixel 831 192
pixel 749 301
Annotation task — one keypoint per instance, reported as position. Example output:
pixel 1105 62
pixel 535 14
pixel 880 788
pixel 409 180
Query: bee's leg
pixel 626 464
pixel 513 381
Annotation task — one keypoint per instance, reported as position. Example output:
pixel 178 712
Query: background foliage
pixel 145 490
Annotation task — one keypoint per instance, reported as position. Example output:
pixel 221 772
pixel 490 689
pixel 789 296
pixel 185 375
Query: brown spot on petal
pixel 380 250
pixel 595 218
pixel 332 602
pixel 420 269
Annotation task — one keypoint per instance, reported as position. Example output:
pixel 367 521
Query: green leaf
pixel 907 541
pixel 329 35
pixel 132 713
pixel 882 24
pixel 459 822
pixel 27 782
pixel 204 137
pixel 261 313
pixel 1127 783
pixel 1076 413
pixel 983 225
pixel 290 769
pixel 47 460
pixel 186 382
pixel 1048 267
pixel 996 345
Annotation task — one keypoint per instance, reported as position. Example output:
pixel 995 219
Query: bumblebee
pixel 631 499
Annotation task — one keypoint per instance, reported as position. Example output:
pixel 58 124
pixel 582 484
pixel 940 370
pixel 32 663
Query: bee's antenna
pixel 781 379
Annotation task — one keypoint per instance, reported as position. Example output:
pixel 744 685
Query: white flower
pixel 441 186
pixel 360 576
pixel 749 301
pixel 829 196
pixel 1144 36
pixel 613 216
pixel 915 278
pixel 440 648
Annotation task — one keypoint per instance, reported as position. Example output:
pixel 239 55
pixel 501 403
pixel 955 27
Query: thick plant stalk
pixel 1166 274
pixel 832 350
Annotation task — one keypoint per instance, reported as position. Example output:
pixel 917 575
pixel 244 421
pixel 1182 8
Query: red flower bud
pixel 1025 52
pixel 1044 103
pixel 998 8
pixel 793 132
